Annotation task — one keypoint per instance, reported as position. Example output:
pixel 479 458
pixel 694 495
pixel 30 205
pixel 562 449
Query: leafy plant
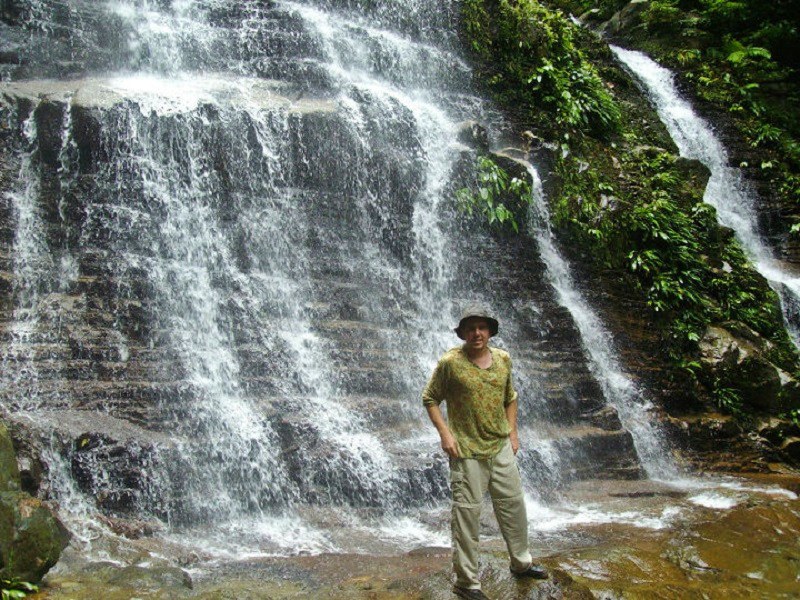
pixel 738 53
pixel 531 62
pixel 663 16
pixel 494 190
pixel 727 399
pixel 793 416
pixel 14 589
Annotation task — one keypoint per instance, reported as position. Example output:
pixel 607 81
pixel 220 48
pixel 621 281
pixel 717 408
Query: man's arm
pixel 449 444
pixel 511 415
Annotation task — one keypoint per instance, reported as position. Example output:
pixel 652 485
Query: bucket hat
pixel 478 311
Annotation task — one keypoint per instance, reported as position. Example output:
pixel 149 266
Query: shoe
pixel 469 594
pixel 533 571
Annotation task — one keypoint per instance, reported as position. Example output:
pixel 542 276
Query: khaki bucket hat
pixel 479 312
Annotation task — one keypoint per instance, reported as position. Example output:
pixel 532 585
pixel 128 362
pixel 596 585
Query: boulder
pixel 790 391
pixel 559 585
pixel 791 447
pixel 32 539
pixel 733 357
pixel 626 19
pixel 775 430
pixel 708 432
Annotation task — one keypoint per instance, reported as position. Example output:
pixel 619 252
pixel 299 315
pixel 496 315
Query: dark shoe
pixel 469 594
pixel 533 571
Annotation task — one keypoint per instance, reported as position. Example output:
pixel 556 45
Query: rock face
pixel 9 472
pixel 31 538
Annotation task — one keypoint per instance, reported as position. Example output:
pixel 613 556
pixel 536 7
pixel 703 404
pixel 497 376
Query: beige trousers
pixel 470 478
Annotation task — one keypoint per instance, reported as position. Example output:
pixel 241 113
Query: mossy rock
pixel 9 471
pixel 31 537
pixel 734 357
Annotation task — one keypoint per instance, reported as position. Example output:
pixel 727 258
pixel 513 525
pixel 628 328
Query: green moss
pixel 742 58
pixel 645 217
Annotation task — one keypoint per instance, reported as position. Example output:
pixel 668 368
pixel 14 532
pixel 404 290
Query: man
pixel 480 437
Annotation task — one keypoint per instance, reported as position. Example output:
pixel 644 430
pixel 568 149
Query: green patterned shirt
pixel 476 399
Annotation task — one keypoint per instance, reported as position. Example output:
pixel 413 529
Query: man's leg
pixel 505 487
pixel 468 481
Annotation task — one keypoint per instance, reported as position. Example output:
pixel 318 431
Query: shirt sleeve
pixel 435 390
pixel 511 393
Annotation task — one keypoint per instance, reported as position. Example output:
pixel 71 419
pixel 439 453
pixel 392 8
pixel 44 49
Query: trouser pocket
pixel 458 483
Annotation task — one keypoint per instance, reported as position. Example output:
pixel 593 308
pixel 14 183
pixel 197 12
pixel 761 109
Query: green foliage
pixel 651 223
pixel 495 194
pixel 532 64
pixel 663 16
pixel 625 204
pixel 739 54
pixel 605 8
pixel 14 589
pixel 727 399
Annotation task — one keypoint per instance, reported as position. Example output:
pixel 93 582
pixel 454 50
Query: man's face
pixel 476 333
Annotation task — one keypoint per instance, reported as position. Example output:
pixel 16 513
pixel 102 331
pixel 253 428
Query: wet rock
pixel 693 170
pixel 32 539
pixel 559 586
pixel 789 396
pixel 627 18
pixel 31 466
pixel 791 447
pixel 708 431
pixel 133 529
pixel 776 430
pixel 687 557
pixel 152 579
pixel 604 418
pixel 474 135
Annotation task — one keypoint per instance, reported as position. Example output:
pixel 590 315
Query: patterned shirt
pixel 476 399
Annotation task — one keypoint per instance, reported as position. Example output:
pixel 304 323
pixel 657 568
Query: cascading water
pixel 727 191
pixel 237 259
pixel 635 410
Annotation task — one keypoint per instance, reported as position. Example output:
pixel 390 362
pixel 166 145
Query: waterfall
pixel 727 191
pixel 237 258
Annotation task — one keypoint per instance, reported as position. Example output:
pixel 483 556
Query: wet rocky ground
pixel 637 539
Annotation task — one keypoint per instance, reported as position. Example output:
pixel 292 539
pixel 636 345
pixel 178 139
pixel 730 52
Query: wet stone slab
pixel 749 549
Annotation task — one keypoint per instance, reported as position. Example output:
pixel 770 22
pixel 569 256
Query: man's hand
pixel 511 415
pixel 449 444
